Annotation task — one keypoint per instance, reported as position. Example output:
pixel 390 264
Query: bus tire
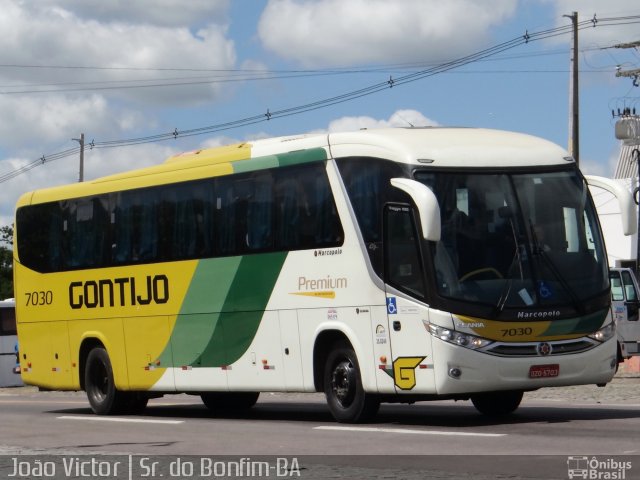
pixel 497 404
pixel 346 398
pixel 99 384
pixel 216 401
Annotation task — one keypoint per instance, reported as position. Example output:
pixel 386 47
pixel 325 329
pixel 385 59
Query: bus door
pixel 411 362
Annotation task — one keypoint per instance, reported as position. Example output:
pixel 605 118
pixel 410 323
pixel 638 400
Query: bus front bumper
pixel 459 370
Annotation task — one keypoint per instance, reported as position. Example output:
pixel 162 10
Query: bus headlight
pixel 605 333
pixel 457 338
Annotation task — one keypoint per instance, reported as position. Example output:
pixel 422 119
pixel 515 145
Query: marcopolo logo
pixel 119 292
pixel 597 468
pixel 539 315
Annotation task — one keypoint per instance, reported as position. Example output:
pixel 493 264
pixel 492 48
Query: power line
pixel 36 163
pixel 222 75
pixel 229 76
pixel 345 97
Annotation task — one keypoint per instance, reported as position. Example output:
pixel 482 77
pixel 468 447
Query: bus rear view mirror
pixel 625 200
pixel 427 203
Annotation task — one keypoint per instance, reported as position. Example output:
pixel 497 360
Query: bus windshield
pixel 517 240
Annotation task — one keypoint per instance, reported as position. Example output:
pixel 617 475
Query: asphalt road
pixel 426 440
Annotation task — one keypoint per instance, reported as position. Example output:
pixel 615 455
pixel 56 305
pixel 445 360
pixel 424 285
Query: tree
pixel 6 262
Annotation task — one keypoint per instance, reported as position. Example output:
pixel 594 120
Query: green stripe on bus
pixel 280 160
pixel 236 307
pixel 302 156
pixel 587 324
pixel 194 326
pixel 258 163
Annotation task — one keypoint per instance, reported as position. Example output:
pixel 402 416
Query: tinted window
pixel 514 240
pixel 288 208
pixel 367 181
pixel 403 262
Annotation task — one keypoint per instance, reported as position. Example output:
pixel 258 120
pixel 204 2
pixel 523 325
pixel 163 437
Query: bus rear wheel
pixel 104 397
pixel 216 401
pixel 347 400
pixel 497 404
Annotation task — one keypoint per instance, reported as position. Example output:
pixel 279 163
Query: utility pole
pixel 574 113
pixel 81 142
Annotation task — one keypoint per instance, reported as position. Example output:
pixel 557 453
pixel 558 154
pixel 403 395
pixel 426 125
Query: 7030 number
pixel 42 297
pixel 515 332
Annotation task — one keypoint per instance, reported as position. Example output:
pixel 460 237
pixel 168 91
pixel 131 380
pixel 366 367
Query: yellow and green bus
pixel 391 265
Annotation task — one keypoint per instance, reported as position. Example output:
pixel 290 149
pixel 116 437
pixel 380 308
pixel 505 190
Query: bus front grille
pixel 531 349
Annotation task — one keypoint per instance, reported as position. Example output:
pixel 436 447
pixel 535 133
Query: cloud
pixel 400 118
pixel 76 50
pixel 601 35
pixel 89 52
pixel 166 13
pixel 97 163
pixel 338 32
pixel 50 119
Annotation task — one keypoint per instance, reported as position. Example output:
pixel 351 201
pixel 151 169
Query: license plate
pixel 544 371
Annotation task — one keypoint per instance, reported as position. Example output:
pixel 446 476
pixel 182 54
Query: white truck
pixel 625 304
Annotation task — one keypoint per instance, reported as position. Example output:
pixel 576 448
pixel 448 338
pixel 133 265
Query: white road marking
pixel 120 420
pixel 44 400
pixel 407 431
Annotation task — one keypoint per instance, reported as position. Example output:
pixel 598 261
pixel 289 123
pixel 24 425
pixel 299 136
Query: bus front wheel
pixel 104 397
pixel 497 404
pixel 347 400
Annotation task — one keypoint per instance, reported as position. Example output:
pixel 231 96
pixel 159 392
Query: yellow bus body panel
pixel 51 334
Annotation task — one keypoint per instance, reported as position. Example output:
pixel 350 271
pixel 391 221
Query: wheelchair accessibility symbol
pixel 392 308
pixel 544 290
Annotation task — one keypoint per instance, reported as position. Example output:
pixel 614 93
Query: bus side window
pixel 85 225
pixel 306 213
pixel 186 221
pixel 202 206
pixel 323 212
pixel 402 251
pixel 121 225
pixel 259 224
pixel 289 198
pixel 146 237
pixel 54 240
pixel 230 223
pixel 135 231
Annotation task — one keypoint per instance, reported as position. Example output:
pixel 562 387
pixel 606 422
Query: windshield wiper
pixel 506 290
pixel 539 251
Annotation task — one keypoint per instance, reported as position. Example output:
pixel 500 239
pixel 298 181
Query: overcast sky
pixel 118 69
